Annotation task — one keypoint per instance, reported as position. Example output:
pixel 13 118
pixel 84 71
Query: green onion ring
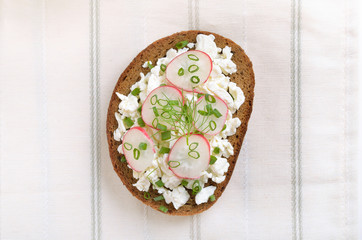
pixel 129 146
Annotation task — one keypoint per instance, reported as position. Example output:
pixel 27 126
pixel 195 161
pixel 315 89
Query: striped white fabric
pixel 296 174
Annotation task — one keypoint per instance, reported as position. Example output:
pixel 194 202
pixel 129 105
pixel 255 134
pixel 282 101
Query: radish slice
pixel 138 159
pixel 211 113
pixel 161 98
pixel 189 160
pixel 190 69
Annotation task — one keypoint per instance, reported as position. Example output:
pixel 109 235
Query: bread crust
pixel 244 78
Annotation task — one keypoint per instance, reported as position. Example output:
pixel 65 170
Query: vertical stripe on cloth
pixel 43 125
pixel 193 14
pixel 94 109
pixel 296 175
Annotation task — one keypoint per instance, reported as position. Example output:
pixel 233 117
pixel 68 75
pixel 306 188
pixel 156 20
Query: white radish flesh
pixel 217 111
pixel 190 69
pixel 138 159
pixel 189 157
pixel 163 97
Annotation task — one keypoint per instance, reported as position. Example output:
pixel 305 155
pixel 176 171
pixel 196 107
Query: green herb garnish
pixel 161 127
pixel 193 68
pixel 180 72
pixel 150 66
pixel 136 153
pixel 163 67
pixel 136 91
pixel 166 135
pixel 184 183
pixel 128 122
pixel 163 209
pixel 173 164
pixel 123 159
pixel 159 198
pixel 142 146
pixel 159 183
pixel 193 57
pixel 147 195
pixel 181 44
pixel 212 198
pixel 216 150
pixel 140 122
pixel 196 187
pixel 164 150
pixel 195 79
pixel 212 159
pixel 127 146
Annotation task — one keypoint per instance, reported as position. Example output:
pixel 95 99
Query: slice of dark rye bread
pixel 244 78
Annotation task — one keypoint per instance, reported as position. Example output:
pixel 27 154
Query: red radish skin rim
pixel 182 97
pixel 183 54
pixel 168 157
pixel 148 138
pixel 227 111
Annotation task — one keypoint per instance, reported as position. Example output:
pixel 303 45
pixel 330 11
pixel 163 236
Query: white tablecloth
pixel 59 62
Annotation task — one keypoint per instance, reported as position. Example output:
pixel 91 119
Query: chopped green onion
pixel 209 109
pixel 193 68
pixel 166 135
pixel 159 183
pixel 173 164
pixel 143 146
pixel 212 198
pixel 140 122
pixel 139 109
pixel 195 79
pixel 194 154
pixel 212 125
pixel 167 108
pixel 127 146
pixel 193 57
pixel 154 122
pixel 173 102
pixel 150 66
pixel 136 153
pixel 163 67
pixel 128 122
pixel 136 91
pixel 155 111
pixel 199 95
pixel 180 72
pixel 162 102
pixel 163 84
pixel 161 127
pixel 216 113
pixel 164 150
pixel 193 146
pixel 212 159
pixel 181 44
pixel 165 115
pixel 147 195
pixel 196 187
pixel 123 159
pixel 163 209
pixel 216 150
pixel 202 113
pixel 210 98
pixel 154 99
pixel 224 127
pixel 159 198
pixel 184 183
